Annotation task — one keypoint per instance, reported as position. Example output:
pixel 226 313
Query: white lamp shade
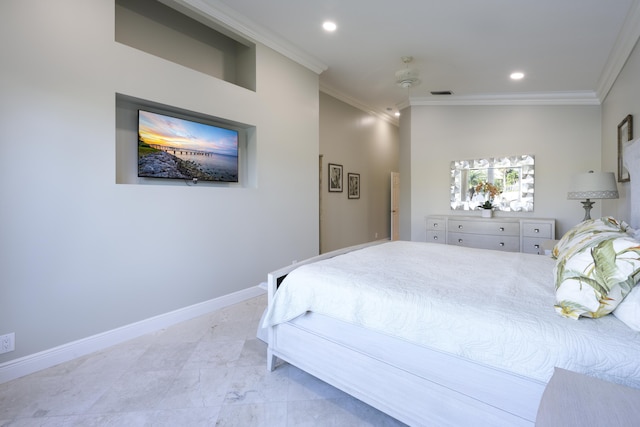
pixel 593 185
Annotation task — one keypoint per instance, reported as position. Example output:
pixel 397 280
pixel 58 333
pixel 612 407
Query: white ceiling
pixel 570 50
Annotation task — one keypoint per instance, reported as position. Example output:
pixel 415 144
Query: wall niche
pixel 127 143
pixel 193 41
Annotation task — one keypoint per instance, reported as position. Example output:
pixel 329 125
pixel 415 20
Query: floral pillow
pixel 585 233
pixel 597 265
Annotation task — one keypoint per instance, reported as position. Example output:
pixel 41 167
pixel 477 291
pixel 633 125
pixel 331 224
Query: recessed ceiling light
pixel 397 113
pixel 517 75
pixel 329 26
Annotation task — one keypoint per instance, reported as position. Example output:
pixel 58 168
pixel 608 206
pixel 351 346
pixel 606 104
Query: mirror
pixel 514 177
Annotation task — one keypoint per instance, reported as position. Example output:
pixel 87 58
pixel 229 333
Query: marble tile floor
pixel 208 371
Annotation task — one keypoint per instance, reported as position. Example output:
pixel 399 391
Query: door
pixel 395 205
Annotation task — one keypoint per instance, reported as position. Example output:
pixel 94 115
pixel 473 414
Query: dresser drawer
pixel 435 223
pixel 530 235
pixel 470 240
pixel 537 229
pixel 436 236
pixel 533 245
pixel 491 227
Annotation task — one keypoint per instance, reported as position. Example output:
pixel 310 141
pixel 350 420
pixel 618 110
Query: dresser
pixel 500 233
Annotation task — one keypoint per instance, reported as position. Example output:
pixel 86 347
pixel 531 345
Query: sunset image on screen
pixel 170 147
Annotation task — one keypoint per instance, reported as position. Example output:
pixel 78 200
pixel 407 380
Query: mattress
pixel 492 307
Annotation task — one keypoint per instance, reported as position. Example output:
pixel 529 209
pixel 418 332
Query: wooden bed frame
pixel 412 383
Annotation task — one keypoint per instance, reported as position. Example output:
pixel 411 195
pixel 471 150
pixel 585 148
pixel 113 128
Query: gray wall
pixel 564 139
pixel 405 176
pixel 362 143
pixel 82 254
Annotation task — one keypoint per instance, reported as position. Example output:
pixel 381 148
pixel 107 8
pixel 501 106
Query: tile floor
pixel 208 371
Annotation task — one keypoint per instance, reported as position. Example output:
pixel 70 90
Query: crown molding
pixel 244 27
pixel 403 104
pixel 624 45
pixel 240 26
pixel 359 105
pixel 551 98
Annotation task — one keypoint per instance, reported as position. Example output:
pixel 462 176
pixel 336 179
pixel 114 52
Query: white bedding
pixel 492 307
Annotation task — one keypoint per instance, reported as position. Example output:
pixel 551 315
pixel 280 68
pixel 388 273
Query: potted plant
pixel 489 191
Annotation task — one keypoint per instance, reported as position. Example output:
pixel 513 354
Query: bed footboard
pixel 416 385
pixel 276 277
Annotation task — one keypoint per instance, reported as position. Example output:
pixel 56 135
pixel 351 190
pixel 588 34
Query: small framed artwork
pixel 335 178
pixel 353 182
pixel 625 133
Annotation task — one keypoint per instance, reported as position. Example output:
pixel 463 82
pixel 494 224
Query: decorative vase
pixel 487 213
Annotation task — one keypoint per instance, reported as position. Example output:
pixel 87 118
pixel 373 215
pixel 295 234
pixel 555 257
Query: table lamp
pixel 592 185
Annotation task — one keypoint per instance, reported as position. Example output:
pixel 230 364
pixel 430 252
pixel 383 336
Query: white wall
pixel 81 254
pixel 362 143
pixel 623 99
pixel 564 139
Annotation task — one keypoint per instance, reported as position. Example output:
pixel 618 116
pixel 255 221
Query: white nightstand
pixel 576 400
pixel 547 246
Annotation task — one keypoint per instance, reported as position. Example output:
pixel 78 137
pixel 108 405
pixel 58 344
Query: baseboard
pixel 45 359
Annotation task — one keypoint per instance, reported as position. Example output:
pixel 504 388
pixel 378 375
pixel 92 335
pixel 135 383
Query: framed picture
pixel 335 178
pixel 353 182
pixel 625 133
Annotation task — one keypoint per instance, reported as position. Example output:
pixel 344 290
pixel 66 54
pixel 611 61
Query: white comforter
pixel 492 307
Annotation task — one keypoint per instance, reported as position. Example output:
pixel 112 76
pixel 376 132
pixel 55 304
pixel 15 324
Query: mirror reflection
pixel 513 176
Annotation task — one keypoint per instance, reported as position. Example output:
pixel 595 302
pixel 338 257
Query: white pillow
pixel 628 311
pixel 634 233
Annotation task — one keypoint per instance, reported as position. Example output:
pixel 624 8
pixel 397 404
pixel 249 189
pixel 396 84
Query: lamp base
pixel 587 205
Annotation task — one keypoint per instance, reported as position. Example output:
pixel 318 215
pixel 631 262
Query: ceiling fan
pixel 407 77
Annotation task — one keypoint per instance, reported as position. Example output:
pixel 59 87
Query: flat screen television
pixel 175 148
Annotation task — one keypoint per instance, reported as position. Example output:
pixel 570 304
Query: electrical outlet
pixel 7 342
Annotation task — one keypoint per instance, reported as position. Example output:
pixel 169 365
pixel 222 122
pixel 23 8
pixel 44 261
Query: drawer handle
pixel 435 237
pixel 501 228
pixel 435 224
pixel 536 230
pixel 501 244
pixel 459 240
pixel 460 227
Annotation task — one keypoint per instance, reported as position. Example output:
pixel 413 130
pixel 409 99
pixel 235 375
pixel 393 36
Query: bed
pixel 439 335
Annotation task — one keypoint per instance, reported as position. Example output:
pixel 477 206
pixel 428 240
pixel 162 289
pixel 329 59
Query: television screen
pixel 169 147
